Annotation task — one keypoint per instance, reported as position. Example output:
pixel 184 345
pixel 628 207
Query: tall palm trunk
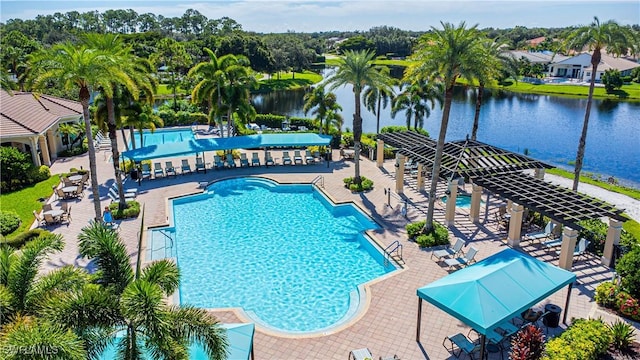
pixel 476 117
pixel 115 154
pixel 448 98
pixel 124 137
pixel 84 96
pixel 132 136
pixel 357 134
pixel 595 60
pixel 378 113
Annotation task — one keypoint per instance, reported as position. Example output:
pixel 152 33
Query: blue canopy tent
pixel 495 290
pixel 229 143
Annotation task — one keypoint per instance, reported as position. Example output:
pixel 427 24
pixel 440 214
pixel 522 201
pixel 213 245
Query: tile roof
pixel 22 114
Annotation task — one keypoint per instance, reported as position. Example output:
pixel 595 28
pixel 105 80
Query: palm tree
pixel 236 91
pixel 132 302
pixel 415 100
pixel 23 295
pixel 75 67
pixel 142 117
pixel 446 55
pixel 377 97
pixel 491 69
pixel 213 76
pixel 356 69
pixel 597 36
pixel 320 103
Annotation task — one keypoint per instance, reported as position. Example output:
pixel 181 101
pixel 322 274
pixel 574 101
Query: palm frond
pixel 164 273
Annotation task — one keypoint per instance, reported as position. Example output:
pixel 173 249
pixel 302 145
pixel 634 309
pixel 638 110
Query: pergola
pixel 501 172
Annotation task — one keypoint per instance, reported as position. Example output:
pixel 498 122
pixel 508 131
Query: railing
pixel 318 179
pixel 389 250
pixel 165 247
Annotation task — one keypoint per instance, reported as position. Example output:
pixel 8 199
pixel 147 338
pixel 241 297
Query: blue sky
pixel 325 15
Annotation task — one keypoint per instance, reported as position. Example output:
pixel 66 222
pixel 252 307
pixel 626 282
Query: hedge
pixel 132 210
pixel 583 340
pixel 21 239
pixel 9 222
pixel 438 235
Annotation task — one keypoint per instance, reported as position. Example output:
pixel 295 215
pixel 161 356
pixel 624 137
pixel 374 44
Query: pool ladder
pixel 318 180
pixel 165 247
pixel 393 251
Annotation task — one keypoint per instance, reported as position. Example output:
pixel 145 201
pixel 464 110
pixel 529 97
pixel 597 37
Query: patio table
pixel 69 189
pixel 54 213
pixel 75 178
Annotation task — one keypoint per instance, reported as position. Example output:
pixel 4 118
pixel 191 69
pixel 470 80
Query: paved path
pixel 388 324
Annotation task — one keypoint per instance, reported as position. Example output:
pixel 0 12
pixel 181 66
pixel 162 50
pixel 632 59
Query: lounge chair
pixel 286 159
pixel 450 251
pixel 317 157
pixel 268 159
pixel 113 194
pixel 169 170
pixel 297 158
pixel 243 160
pixel 133 192
pixel 360 354
pixel 255 160
pixel 462 344
pixel 146 171
pixel 200 165
pixel 580 250
pixel 229 161
pixel 540 235
pixel 217 162
pixel 309 159
pixel 157 170
pixel 465 260
pixel 550 244
pixel 185 168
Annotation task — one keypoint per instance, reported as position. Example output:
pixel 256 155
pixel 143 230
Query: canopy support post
pixel 483 340
pixel 566 304
pixel 419 319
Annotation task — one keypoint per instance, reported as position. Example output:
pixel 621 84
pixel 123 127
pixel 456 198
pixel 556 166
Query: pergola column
pixel 515 225
pixel 380 153
pixel 569 237
pixel 476 195
pixel 420 177
pixel 613 238
pixel 539 173
pixel 44 149
pixel 399 173
pixel 34 151
pixel 450 212
pixel 53 144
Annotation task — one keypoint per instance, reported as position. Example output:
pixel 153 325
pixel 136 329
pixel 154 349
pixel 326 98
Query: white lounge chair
pixel 286 159
pixel 465 260
pixel 309 159
pixel 169 170
pixel 540 235
pixel 243 160
pixel 157 170
pixel 185 168
pixel 255 160
pixel 297 158
pixel 360 354
pixel 200 165
pixel 268 159
pixel 449 251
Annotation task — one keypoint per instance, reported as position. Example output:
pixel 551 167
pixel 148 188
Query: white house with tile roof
pixel 30 123
pixel 579 67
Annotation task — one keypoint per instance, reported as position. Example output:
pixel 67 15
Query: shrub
pixel 131 211
pixel 221 153
pixel 595 231
pixel 415 229
pixel 347 139
pixel 15 166
pixel 270 120
pixel 584 340
pixel 438 235
pixel 627 267
pixel 622 335
pixel 21 239
pixel 606 294
pixel 399 128
pixel 36 174
pixel 365 184
pixel 9 222
pixel 527 344
pixel 78 150
pixel 630 308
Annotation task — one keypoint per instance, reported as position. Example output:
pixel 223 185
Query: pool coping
pixel 363 290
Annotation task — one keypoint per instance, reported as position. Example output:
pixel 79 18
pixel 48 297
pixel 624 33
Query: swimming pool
pixel 462 201
pixel 286 255
pixel 162 136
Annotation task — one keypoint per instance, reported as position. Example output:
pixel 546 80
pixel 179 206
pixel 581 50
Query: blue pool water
pixel 163 136
pixel 284 253
pixel 462 201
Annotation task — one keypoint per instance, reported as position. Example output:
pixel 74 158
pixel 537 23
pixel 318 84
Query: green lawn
pixel 24 201
pixel 628 92
pixel 287 81
pixel 163 90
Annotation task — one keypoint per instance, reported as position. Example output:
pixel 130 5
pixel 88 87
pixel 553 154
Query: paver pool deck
pixel 388 325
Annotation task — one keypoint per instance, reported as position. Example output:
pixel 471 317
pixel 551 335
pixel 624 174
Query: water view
pixel 547 127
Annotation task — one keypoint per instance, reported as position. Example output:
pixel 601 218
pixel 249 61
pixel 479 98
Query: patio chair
pixel 39 219
pixel 200 165
pixel 66 215
pixel 309 159
pixel 286 159
pixel 79 191
pixel 297 158
pixel 550 244
pixel 229 161
pixel 317 157
pixel 50 220
pixel 255 160
pixel 449 251
pixel 466 260
pixel 268 159
pixel 243 160
pixel 460 343
pixel 46 207
pixel 580 250
pixel 185 168
pixel 157 170
pixel 360 354
pixel 217 162
pixel 61 194
pixel 146 171
pixel 169 170
pixel 540 235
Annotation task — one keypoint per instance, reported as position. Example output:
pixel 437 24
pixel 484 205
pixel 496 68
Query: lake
pixel 548 127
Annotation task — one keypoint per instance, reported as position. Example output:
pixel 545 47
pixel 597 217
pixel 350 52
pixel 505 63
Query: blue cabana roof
pixel 495 289
pixel 236 142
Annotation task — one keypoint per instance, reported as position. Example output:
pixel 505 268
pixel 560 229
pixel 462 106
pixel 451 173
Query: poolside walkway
pixel 388 326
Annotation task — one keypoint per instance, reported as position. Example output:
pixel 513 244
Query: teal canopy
pixel 236 142
pixel 495 289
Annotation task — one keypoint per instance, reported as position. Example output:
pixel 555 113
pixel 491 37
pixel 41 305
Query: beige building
pixel 30 123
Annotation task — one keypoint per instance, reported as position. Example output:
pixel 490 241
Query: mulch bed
pixel 632 353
